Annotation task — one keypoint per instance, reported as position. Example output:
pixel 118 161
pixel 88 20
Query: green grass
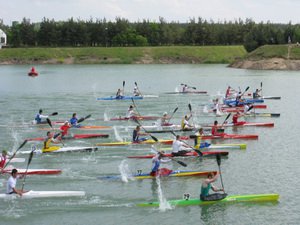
pixel 125 55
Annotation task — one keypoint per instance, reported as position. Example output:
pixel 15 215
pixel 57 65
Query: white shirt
pixel 130 113
pixel 176 147
pixel 11 183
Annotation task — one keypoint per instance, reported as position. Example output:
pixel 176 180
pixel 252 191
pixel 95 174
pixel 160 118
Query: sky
pixel 275 11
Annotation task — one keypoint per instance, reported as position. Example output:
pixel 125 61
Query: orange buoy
pixel 33 72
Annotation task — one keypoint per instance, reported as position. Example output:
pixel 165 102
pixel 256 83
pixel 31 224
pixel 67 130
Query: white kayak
pixel 44 194
pixel 18 160
pixel 56 149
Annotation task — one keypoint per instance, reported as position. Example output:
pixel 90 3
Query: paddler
pixel 207 185
pixel 119 94
pixel 3 158
pixel 164 120
pixel 185 88
pixel 199 135
pixel 235 118
pixel 185 123
pixel 49 139
pixel 12 182
pixel 136 91
pixel 214 129
pixel 156 160
pixel 130 112
pixel 64 129
pixel 228 93
pixel 39 117
pixel 73 121
pixel 256 94
pixel 135 135
pixel 177 147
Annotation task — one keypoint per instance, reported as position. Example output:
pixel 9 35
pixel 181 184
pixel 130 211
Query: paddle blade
pixel 49 122
pixel 194 88
pixel 123 83
pixel 181 163
pixel 88 116
pixel 154 138
pixel 22 145
pixel 135 83
pixel 247 88
pixel 30 158
pixel 80 120
pixel 175 110
pixel 261 85
pixel 218 158
pixel 251 107
pixel 227 117
pixel 54 114
pixel 190 107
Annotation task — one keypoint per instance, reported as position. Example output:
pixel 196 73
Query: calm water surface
pixel 269 165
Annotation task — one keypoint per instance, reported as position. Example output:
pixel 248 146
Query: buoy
pixel 33 72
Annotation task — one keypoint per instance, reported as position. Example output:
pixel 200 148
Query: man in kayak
pixel 136 91
pixel 185 123
pixel 130 112
pixel 64 129
pixel 73 121
pixel 229 92
pixel 185 88
pixel 3 158
pixel 50 139
pixel 156 160
pixel 164 120
pixel 207 185
pixel 12 182
pixel 214 129
pixel 136 135
pixel 39 117
pixel 256 94
pixel 177 147
pixel 235 118
pixel 198 144
pixel 119 94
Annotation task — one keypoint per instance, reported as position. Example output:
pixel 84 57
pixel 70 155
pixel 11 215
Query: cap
pixel 134 88
pixel 4 152
pixel 165 113
pixel 66 121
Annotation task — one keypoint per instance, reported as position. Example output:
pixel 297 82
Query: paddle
pixel 21 146
pixel 137 88
pixel 189 86
pixel 247 88
pixel 227 117
pixel 218 157
pixel 156 140
pixel 53 114
pixel 261 85
pixel 29 161
pixel 135 107
pixel 196 150
pixel 84 118
pixel 123 87
pixel 190 108
pixel 49 122
pixel 175 110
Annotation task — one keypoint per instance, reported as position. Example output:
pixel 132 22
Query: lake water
pixel 269 165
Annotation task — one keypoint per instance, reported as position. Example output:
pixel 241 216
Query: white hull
pixel 44 194
pixel 64 149
pixel 18 160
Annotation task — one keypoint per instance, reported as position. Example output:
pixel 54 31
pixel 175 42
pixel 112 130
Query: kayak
pixel 261 106
pixel 252 114
pixel 192 153
pixel 228 199
pixel 170 173
pixel 242 124
pixel 121 98
pixel 271 97
pixel 136 118
pixel 224 136
pixel 187 92
pixel 207 146
pixel 82 128
pixel 35 171
pixel 17 160
pixel 244 101
pixel 121 143
pixel 44 194
pixel 56 149
pixel 75 136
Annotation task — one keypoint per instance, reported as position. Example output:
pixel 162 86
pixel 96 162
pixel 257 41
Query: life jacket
pixel 47 143
pixel 3 161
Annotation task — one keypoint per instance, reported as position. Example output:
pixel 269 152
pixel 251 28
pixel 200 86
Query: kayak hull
pixel 44 194
pixel 189 154
pixel 120 98
pixel 36 171
pixel 135 118
pixel 187 92
pixel 167 142
pixel 57 149
pixel 228 199
pixel 176 173
pixel 75 136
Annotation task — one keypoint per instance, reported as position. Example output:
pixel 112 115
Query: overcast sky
pixel 274 11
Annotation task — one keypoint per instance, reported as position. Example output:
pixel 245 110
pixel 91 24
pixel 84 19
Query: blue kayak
pixel 121 98
pixel 245 101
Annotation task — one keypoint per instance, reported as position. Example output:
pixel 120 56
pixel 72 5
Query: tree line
pixel 122 33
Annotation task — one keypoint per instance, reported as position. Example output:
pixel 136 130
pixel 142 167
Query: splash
pixel 163 203
pixel 124 171
pixel 117 135
pixel 205 110
pixel 105 116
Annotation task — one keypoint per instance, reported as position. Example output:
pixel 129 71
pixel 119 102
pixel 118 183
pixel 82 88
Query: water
pixel 269 165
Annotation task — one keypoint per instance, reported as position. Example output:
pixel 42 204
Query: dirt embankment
pixel 267 64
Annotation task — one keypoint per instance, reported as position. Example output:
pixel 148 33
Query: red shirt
pixel 64 129
pixel 214 130
pixel 235 118
pixel 3 161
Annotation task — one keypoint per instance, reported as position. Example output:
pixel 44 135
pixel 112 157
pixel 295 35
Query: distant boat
pixel 33 72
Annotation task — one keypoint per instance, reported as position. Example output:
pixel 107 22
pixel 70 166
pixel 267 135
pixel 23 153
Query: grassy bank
pixel 127 55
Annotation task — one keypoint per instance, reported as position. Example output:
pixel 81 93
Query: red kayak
pixel 75 136
pixel 242 124
pixel 136 118
pixel 36 171
pixel 223 136
pixel 192 153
